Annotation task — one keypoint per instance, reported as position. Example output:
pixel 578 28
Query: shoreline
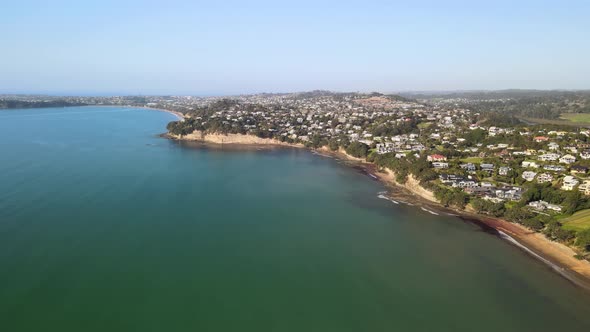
pixel 558 257
pixel 179 115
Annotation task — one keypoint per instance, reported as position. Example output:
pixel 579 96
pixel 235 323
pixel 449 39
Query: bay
pixel 105 226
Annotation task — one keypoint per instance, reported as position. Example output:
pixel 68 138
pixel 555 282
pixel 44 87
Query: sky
pixel 237 47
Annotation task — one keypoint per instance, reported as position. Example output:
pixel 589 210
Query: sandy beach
pixel 179 115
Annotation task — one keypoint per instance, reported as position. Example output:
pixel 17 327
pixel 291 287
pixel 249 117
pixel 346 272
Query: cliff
pixel 231 139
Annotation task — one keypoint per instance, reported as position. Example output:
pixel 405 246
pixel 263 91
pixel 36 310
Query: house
pixel 548 157
pixel 440 165
pixel 553 146
pixel 567 159
pixel 469 167
pixel 585 187
pixel 450 178
pixel 385 148
pixel 554 168
pixel 504 170
pixel 487 167
pixel 578 169
pixel 544 178
pixel 465 184
pixel 512 193
pixel 569 182
pixel 529 175
pixel 436 157
pixel 529 164
pixel 541 139
pixel 542 205
pixel 475 190
pixel 585 155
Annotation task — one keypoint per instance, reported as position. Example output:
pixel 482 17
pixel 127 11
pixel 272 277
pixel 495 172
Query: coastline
pixel 179 115
pixel 559 257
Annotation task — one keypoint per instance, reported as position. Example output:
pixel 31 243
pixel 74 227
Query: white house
pixel 567 159
pixel 548 157
pixel 585 187
pixel 569 182
pixel 529 164
pixel 544 177
pixel 440 165
pixel 504 170
pixel 529 175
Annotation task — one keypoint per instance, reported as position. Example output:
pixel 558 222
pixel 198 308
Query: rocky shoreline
pixel 557 256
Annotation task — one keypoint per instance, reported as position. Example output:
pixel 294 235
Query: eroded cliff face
pixel 231 139
pixel 413 185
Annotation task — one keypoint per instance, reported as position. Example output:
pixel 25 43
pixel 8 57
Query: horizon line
pixel 209 95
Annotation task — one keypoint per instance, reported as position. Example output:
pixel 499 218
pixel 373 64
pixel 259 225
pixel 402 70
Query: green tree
pixel 583 239
pixel 357 149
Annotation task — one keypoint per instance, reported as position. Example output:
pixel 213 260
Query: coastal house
pixel 436 157
pixel 469 167
pixel 449 179
pixel 585 187
pixel 529 175
pixel 554 168
pixel 512 193
pixel 440 165
pixel 576 169
pixel 567 159
pixel 553 146
pixel 542 205
pixel 504 170
pixel 569 182
pixel 383 148
pixel 529 164
pixel 487 167
pixel 548 157
pixel 544 178
pixel 541 139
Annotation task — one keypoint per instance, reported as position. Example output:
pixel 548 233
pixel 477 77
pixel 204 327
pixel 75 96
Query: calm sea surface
pixel 106 227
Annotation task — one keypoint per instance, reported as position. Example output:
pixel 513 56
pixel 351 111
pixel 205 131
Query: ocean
pixel 105 226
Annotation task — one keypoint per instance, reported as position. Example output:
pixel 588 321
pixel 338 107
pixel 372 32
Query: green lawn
pixel 423 125
pixel 579 221
pixel 577 117
pixel 474 160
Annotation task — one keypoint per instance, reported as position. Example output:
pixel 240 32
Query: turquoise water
pixel 104 226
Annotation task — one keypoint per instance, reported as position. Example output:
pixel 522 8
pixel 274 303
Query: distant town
pixel 520 155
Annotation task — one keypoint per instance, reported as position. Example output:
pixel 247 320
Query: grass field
pixel 577 117
pixel 579 221
pixel 561 121
pixel 474 160
pixel 423 125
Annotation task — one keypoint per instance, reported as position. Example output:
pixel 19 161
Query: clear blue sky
pixel 228 47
